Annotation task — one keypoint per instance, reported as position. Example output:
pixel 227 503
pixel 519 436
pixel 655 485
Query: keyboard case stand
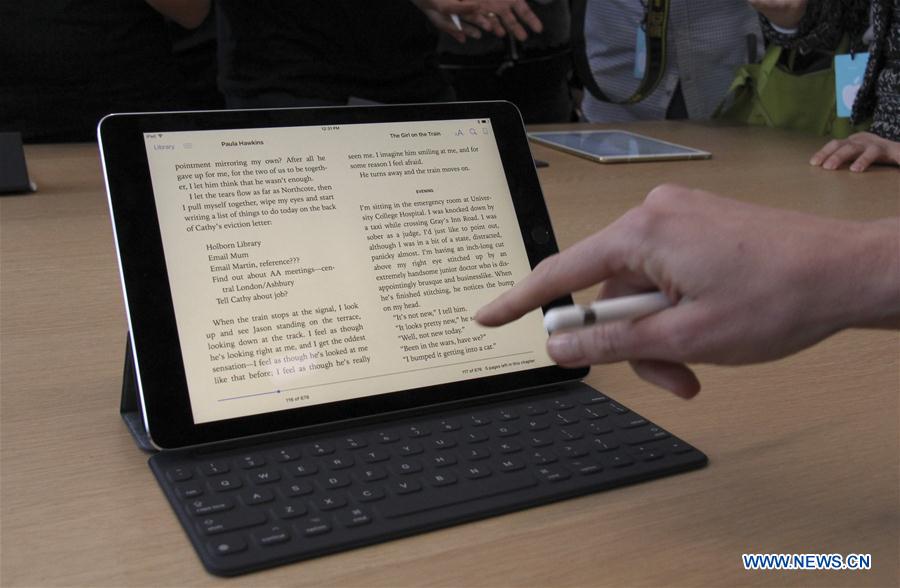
pixel 129 406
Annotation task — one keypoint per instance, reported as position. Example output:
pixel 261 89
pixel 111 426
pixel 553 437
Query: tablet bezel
pixel 693 153
pixel 162 384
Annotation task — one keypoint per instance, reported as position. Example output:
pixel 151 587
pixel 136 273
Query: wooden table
pixel 804 452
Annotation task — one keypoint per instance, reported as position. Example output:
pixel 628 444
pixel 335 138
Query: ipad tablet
pixel 616 146
pixel 302 267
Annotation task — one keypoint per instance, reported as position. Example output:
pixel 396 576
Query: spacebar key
pixel 457 494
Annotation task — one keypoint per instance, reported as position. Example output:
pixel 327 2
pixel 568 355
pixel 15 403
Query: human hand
pixel 751 284
pixel 782 13
pixel 509 13
pixel 864 148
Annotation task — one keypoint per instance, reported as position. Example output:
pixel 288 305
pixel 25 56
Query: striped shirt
pixel 707 42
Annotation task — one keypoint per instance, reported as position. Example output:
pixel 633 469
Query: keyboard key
pixel 331 502
pixel 573 450
pixel 476 472
pixel 406 467
pixel 475 437
pixel 443 460
pixel 227 546
pixel 607 443
pixel 443 442
pixel 290 510
pixel 416 431
pixel 595 398
pixel 313 526
pixel 387 436
pixel 642 435
pixel 617 408
pixel 301 488
pixel 353 443
pixel 266 476
pixel 511 464
pixel 535 409
pixel 479 420
pixel 214 468
pixel 593 412
pixel 585 468
pixel 271 535
pixel 676 447
pixel 561 404
pixel 286 454
pixel 223 523
pixel 463 493
pixel 509 447
pixel 354 517
pixel 251 461
pixel 507 414
pixel 303 469
pixel 554 473
pixel 321 448
pixel 335 481
pixel 543 457
pixel 617 460
pixel 224 483
pixel 506 431
pixel 340 462
pixel 441 479
pixel 179 474
pixel 477 453
pixel 407 486
pixel 190 490
pixel 370 494
pixel 407 449
pixel 213 505
pixel 537 424
pixel 375 456
pixel 372 474
pixel 629 422
pixel 539 441
pixel 258 496
pixel 448 425
pixel 600 428
pixel 570 434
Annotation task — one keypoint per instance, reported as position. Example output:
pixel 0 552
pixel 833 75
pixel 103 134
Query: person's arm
pixel 750 284
pixel 188 13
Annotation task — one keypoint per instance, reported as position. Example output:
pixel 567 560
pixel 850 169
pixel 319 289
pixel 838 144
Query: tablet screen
pixel 315 264
pixel 614 144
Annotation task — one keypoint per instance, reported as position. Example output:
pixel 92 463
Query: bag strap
pixel 656 26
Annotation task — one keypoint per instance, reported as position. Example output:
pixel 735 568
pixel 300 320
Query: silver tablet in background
pixel 616 146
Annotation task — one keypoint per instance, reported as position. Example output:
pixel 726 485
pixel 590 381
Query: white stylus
pixel 603 311
pixel 456 21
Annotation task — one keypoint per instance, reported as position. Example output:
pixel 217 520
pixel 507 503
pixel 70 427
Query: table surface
pixel 803 452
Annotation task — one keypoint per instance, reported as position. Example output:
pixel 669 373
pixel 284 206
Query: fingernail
pixel 855 168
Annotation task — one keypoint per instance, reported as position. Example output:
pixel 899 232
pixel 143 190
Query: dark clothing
pixel 823 26
pixel 532 74
pixel 67 63
pixel 329 50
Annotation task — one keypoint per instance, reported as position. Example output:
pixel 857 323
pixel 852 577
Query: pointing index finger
pixel 586 263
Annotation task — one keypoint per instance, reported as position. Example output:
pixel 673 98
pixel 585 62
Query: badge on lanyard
pixel 640 53
pixel 849 70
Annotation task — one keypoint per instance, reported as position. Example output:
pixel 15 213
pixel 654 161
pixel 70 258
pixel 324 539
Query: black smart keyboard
pixel 254 507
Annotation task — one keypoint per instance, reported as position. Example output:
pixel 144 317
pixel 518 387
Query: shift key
pixel 223 523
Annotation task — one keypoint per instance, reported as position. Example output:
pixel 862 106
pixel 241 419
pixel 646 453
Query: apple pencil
pixel 456 22
pixel 604 311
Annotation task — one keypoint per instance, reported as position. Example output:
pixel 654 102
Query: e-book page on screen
pixel 316 264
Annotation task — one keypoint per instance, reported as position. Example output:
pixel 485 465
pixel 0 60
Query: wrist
pixel 871 292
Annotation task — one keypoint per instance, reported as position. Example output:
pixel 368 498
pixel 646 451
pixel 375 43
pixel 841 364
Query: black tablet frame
pixel 162 384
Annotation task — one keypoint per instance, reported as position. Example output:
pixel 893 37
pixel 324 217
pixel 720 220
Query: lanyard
pixel 655 24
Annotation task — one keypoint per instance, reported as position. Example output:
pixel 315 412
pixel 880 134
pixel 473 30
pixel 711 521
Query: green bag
pixel 771 94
